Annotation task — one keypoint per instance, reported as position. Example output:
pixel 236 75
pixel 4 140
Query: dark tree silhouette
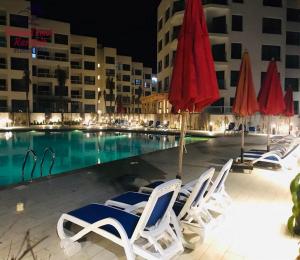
pixel 27 81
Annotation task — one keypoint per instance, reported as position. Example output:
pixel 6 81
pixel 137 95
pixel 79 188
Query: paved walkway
pixel 255 227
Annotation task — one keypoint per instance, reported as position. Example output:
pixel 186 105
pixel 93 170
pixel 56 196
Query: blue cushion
pixel 131 198
pixel 95 212
pixel 254 156
pixel 177 207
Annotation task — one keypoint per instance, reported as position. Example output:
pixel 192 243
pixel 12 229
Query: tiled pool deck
pixel 255 227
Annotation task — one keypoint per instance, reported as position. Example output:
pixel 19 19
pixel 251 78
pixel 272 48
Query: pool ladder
pixel 34 156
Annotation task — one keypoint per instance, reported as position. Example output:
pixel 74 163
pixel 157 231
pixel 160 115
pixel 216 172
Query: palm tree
pixel 27 81
pixel 61 77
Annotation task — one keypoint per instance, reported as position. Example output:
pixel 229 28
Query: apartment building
pixel 96 78
pixel 266 28
pixel 15 54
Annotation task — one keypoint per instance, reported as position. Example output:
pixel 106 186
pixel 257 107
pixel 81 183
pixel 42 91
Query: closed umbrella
pixel 194 84
pixel 289 105
pixel 245 103
pixel 270 97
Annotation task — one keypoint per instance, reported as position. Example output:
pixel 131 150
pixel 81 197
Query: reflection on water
pixel 73 150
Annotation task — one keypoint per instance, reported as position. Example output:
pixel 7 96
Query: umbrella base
pixel 242 167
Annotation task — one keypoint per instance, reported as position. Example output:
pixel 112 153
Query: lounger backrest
pixel 198 192
pixel 218 183
pixel 292 151
pixel 158 207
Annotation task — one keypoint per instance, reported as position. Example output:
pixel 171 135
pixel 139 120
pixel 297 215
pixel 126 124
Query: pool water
pixel 73 150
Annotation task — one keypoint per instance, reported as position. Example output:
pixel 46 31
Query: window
pixel 126 67
pixel 3 85
pixel 176 31
pixel 89 80
pixel 76 50
pixel 19 20
pixel 236 50
pixel 159 86
pixel 232 101
pixel 109 60
pixel 167 61
pixel 88 65
pixel 126 78
pixel 76 64
pixel 219 52
pixel 167 38
pixel 89 108
pixel 293 82
pixel 59 91
pixel 2 63
pixel 296 107
pixel 268 52
pixel 2 18
pixel 60 56
pixel 292 62
pixel 110 72
pixel 138 82
pixel 271 25
pixel 159 67
pixel 234 77
pixel 159 45
pixel 18 85
pixel 17 42
pixel 166 83
pixel 89 51
pixel 148 76
pixel 76 80
pixel 88 94
pixel 18 105
pixel 19 64
pixel 167 14
pixel 273 3
pixel 293 38
pixel 137 72
pixel 293 15
pixel 160 24
pixel 221 79
pixel 61 39
pixel 126 89
pixel 3 105
pixel 237 23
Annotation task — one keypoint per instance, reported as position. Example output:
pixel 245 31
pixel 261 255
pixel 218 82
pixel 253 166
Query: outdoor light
pixel 98 77
pixel 98 89
pixel 98 65
pixel 20 207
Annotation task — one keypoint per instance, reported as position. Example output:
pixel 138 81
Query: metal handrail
pixel 30 151
pixel 47 149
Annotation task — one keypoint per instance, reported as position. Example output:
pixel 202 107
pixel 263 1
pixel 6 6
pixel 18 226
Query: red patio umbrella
pixel 245 103
pixel 270 97
pixel 289 105
pixel 194 84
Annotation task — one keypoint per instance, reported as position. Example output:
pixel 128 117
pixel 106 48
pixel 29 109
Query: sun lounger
pixel 148 235
pixel 189 208
pixel 288 160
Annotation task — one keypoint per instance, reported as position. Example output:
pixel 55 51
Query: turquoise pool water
pixel 73 150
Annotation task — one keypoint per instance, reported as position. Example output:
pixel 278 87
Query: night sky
pixel 129 26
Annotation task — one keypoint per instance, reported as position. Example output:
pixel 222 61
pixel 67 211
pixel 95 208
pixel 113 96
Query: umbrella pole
pixel 181 145
pixel 268 134
pixel 243 141
pixel 289 125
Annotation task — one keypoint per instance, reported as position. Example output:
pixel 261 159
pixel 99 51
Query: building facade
pixel 66 72
pixel 266 28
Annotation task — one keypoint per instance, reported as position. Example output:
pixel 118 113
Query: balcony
pixel 3 65
pixel 53 57
pixel 89 82
pixel 2 20
pixel 3 42
pixel 76 81
pixel 76 50
pixel 3 88
pixel 76 96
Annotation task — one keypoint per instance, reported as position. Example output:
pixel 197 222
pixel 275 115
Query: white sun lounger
pixel 148 235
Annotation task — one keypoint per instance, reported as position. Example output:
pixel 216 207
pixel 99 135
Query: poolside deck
pixel 255 227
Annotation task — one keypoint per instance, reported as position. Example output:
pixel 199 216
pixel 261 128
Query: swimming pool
pixel 73 150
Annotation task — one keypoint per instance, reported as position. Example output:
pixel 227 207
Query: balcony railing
pixel 178 6
pixel 76 96
pixel 2 65
pixel 89 82
pixel 45 75
pixel 76 81
pixel 3 88
pixel 216 2
pixel 76 66
pixel 3 42
pixel 48 57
